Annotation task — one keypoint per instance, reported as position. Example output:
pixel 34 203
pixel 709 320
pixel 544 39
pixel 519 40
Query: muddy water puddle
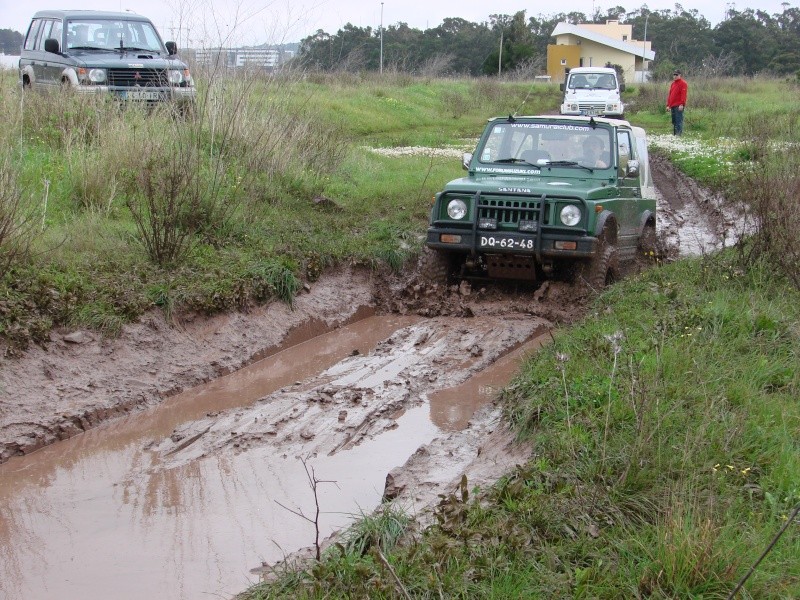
pixel 134 510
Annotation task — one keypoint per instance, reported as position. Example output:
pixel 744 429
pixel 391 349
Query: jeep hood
pixel 126 60
pixel 550 185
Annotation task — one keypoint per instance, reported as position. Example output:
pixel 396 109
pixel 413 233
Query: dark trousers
pixel 677 121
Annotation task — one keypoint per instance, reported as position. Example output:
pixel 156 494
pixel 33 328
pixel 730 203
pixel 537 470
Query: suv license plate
pixel 141 95
pixel 592 112
pixel 501 242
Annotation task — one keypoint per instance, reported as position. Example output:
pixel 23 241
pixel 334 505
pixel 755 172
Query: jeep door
pixel 53 64
pixel 629 190
pixel 32 59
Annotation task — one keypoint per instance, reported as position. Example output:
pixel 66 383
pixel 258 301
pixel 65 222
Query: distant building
pixel 258 57
pixel 597 45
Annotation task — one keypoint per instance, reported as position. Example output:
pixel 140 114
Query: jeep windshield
pixel 104 34
pixel 544 144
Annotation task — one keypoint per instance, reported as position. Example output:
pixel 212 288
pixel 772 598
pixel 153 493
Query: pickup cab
pixel 545 197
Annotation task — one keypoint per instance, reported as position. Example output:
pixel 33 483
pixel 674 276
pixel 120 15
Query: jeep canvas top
pixel 592 91
pixel 103 52
pixel 545 196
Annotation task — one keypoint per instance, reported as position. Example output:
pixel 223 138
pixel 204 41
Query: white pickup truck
pixel 592 91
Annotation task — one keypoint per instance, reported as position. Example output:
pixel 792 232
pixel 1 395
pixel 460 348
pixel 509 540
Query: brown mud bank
pixel 82 379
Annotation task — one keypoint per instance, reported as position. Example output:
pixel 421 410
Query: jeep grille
pixel 509 211
pixel 137 78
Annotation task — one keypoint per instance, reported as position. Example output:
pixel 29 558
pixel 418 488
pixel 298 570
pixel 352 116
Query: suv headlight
pixel 180 77
pixel 570 215
pixel 457 209
pixel 87 76
pixel 573 106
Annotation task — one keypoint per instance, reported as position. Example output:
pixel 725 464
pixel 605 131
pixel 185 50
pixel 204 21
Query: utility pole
pixel 381 38
pixel 500 56
pixel 644 50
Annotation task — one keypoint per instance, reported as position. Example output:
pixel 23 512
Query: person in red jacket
pixel 676 101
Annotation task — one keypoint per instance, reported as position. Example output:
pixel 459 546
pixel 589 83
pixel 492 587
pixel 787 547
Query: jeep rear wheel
pixel 434 266
pixel 647 243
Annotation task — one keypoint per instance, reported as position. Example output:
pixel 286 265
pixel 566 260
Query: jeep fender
pixel 606 221
pixel 648 218
pixel 27 71
pixel 69 75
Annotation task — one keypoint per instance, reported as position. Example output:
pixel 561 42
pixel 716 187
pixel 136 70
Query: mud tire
pixel 601 270
pixel 434 266
pixel 648 243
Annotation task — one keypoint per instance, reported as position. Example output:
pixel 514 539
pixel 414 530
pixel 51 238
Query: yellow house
pixel 592 45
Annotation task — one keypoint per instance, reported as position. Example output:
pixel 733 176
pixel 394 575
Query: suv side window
pixel 56 32
pixel 624 148
pixel 33 32
pixel 47 26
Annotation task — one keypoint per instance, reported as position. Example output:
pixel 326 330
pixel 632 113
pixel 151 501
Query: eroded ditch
pixel 192 490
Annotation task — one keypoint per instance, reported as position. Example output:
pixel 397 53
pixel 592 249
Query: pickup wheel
pixel 434 266
pixel 601 270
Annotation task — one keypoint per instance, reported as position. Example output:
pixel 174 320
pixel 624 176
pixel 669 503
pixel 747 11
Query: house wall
pixel 613 29
pixel 560 58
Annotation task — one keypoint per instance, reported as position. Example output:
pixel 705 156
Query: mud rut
pixel 448 338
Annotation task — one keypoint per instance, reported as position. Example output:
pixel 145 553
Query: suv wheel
pixel 434 266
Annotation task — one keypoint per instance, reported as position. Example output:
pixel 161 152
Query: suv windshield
pixel 592 81
pixel 542 144
pixel 112 34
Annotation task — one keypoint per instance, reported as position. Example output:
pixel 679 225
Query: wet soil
pixel 205 483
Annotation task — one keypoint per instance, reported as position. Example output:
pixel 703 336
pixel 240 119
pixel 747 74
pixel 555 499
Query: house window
pixel 563 61
pixel 624 38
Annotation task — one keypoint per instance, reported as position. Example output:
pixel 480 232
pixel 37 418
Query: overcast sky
pixel 245 22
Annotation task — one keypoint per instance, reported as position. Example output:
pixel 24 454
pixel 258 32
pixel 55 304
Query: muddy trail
pixel 198 438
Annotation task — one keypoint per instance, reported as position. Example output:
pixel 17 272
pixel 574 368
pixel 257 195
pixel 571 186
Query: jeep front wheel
pixel 434 266
pixel 601 270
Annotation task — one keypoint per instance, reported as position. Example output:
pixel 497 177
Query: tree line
pixel 747 42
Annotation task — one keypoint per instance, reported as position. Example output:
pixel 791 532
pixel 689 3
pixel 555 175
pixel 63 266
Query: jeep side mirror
pixel 621 87
pixel 633 168
pixel 172 48
pixel 465 160
pixel 51 45
pixel 561 86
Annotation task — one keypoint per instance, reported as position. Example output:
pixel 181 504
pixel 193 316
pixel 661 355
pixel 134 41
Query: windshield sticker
pixel 549 126
pixel 507 170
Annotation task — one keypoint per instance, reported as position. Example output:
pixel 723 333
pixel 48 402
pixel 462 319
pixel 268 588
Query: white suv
pixel 593 91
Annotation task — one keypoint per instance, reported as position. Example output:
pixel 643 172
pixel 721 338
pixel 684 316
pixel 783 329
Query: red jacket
pixel 677 93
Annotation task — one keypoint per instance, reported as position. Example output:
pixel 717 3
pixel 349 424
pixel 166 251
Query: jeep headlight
pixel 180 77
pixel 573 106
pixel 612 107
pixel 457 209
pixel 92 75
pixel 570 215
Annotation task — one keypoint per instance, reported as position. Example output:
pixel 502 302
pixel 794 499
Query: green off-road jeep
pixel 546 197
